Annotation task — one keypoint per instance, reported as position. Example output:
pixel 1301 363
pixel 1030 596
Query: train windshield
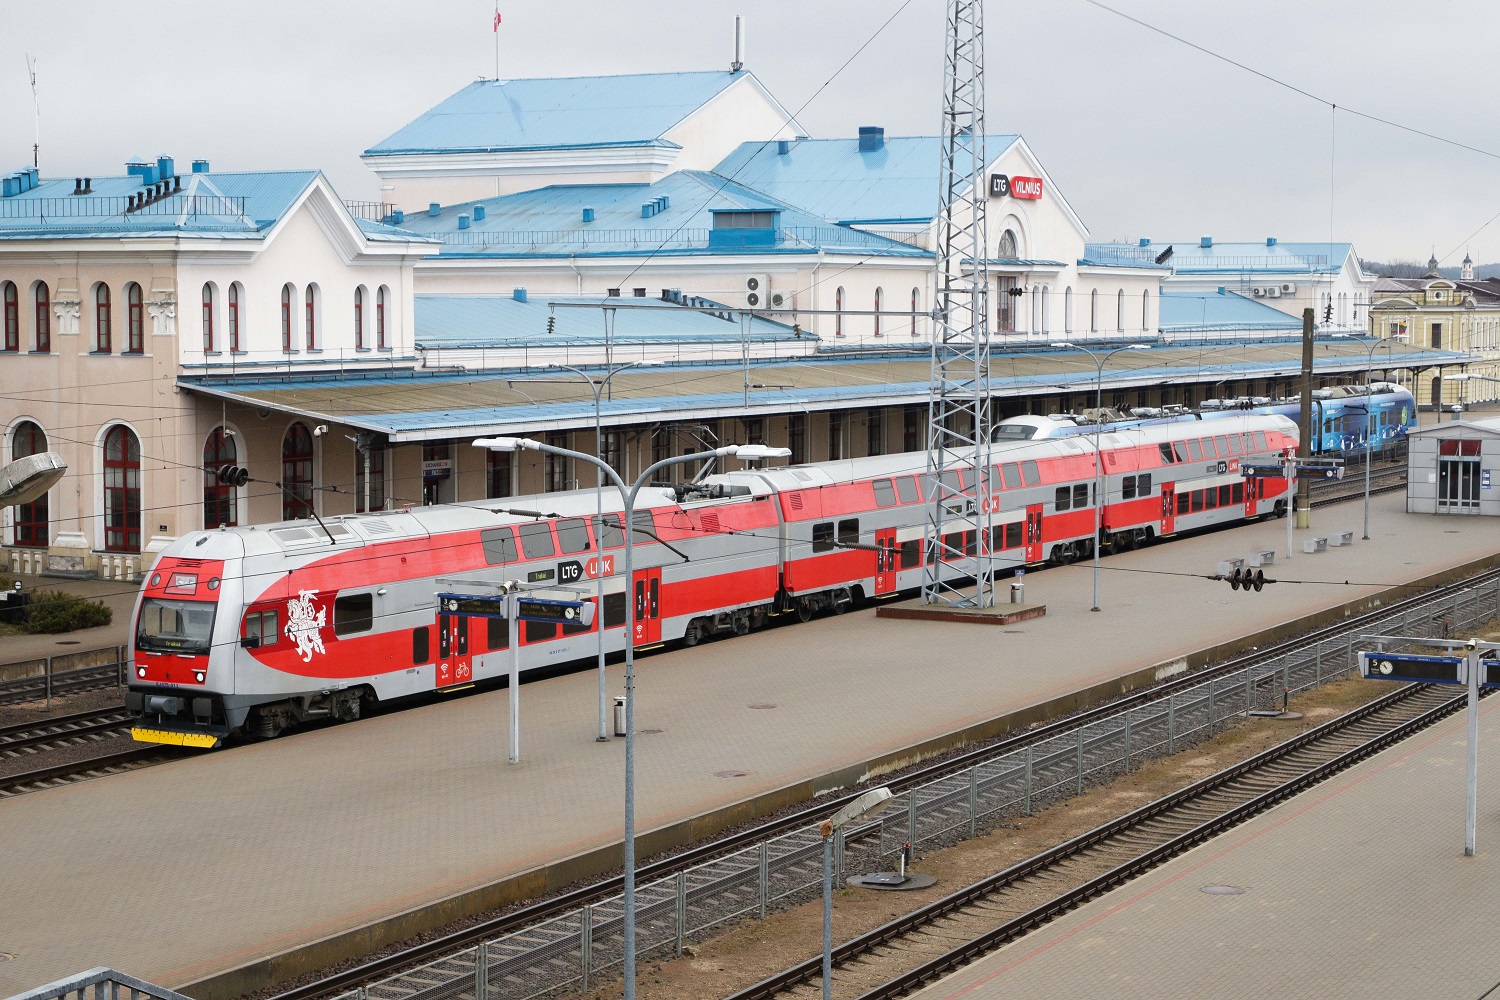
pixel 175 626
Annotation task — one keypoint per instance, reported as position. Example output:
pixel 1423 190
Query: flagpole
pixel 496 26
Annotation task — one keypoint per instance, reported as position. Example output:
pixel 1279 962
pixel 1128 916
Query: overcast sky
pixel 1143 135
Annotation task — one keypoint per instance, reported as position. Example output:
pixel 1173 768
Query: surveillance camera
pixel 320 430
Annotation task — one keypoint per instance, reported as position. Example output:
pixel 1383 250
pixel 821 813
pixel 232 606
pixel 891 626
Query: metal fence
pixel 100 984
pixel 572 951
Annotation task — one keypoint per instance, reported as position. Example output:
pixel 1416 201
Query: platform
pixel 1356 888
pixel 177 872
pixel 998 614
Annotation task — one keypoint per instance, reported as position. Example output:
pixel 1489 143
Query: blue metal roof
pixel 562 112
pixel 1191 257
pixel 477 321
pixel 1189 312
pixel 549 222
pixel 835 179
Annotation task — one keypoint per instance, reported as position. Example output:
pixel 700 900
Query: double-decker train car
pixel 250 630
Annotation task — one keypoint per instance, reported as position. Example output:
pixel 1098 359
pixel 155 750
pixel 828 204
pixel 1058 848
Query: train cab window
pixel 1127 488
pixel 499 545
pixel 1064 498
pixel 609 531
pixel 573 535
pixel 536 539
pixel 614 610
pixel 261 629
pixel 849 531
pixel 420 645
pixel 911 553
pixel 885 493
pixel 1182 502
pixel 906 489
pixel 1013 535
pixel 1166 453
pixel 354 613
pixel 538 631
pixel 822 538
pixel 1195 449
pixel 1030 474
pixel 1010 474
pixel 1260 441
pixel 1143 484
pixel 497 633
pixel 1081 495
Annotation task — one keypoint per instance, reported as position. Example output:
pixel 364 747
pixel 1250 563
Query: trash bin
pixel 620 715
pixel 1018 592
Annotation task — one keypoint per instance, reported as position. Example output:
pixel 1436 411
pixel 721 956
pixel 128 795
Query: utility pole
pixel 1304 441
pixel 958 415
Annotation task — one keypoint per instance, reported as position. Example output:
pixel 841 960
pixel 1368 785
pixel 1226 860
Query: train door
pixel 647 606
pixel 1034 533
pixel 885 561
pixel 453 665
pixel 1252 491
pixel 1168 509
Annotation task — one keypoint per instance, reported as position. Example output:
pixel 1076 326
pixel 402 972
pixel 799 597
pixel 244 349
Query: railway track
pixel 61 731
pixel 76 681
pixel 1382 480
pixel 53 775
pixel 446 944
pixel 912 950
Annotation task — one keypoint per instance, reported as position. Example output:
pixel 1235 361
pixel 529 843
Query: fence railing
pixel 572 951
pixel 89 206
pixel 99 984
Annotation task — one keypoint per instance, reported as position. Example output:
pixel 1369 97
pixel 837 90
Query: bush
pixel 54 611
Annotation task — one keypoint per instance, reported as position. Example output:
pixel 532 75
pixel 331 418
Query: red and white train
pixel 250 630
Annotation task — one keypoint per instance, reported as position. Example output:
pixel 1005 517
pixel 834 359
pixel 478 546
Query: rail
pixel 46 677
pixel 572 950
pixel 100 984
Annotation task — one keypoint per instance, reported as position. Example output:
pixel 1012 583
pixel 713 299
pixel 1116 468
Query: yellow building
pixel 1447 314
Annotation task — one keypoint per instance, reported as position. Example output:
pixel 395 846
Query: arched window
pixel 359 318
pixel 122 490
pixel 135 321
pixel 879 293
pixel 914 295
pixel 380 297
pixel 219 506
pixel 1068 309
pixel 1120 310
pixel 1008 247
pixel 838 311
pixel 208 317
pixel 12 316
pixel 1046 326
pixel 32 527
pixel 102 340
pixel 1146 310
pixel 296 472
pixel 287 294
pixel 310 318
pixel 1094 311
pixel 232 316
pixel 43 328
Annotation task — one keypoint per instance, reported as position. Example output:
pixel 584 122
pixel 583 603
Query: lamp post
pixel 1370 416
pixel 1099 362
pixel 597 386
pixel 864 807
pixel 748 452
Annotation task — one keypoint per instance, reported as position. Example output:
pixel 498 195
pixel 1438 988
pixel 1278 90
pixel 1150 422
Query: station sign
pixel 1490 673
pixel 529 609
pixel 1002 185
pixel 1421 669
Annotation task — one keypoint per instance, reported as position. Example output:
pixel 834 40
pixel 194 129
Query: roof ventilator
pixel 588 215
pixel 478 213
pixel 434 209
pixel 463 222
pixel 871 138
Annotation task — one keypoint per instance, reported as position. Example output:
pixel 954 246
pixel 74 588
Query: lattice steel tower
pixel 958 416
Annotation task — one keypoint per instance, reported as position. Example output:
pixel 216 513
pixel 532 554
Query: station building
pixel 1461 314
pixel 1452 468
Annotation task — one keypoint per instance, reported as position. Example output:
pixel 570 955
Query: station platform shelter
pixel 1452 468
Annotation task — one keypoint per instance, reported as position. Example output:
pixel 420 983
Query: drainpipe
pixel 573 263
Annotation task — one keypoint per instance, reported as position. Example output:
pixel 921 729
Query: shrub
pixel 54 611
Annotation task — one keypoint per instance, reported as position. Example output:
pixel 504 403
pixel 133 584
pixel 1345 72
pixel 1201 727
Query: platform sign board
pixel 531 609
pixel 1490 677
pixel 1409 667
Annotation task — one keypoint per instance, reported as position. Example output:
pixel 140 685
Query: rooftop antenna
pixel 36 145
pixel 739 45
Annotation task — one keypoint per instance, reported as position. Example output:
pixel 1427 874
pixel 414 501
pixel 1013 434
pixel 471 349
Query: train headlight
pixel 198 676
pixel 140 671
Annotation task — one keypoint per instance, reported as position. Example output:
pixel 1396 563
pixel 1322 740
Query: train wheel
pixel 804 611
pixel 693 635
pixel 1280 508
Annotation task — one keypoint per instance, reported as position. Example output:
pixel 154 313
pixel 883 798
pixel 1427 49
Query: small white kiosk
pixel 1454 468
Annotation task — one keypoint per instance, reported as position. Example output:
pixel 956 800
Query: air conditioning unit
pixel 1273 292
pixel 1288 289
pixel 1258 291
pixel 783 300
pixel 758 291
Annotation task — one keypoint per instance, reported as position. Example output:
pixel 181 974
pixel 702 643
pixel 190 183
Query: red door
pixel 647 607
pixel 1168 509
pixel 1252 490
pixel 453 663
pixel 885 561
pixel 1034 533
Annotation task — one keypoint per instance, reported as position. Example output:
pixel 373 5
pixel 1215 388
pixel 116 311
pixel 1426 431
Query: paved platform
pixel 215 861
pixel 1357 888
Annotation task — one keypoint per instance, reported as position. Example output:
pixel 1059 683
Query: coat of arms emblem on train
pixel 304 624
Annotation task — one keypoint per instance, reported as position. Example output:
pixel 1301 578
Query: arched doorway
pixel 219 506
pixel 32 529
pixel 296 472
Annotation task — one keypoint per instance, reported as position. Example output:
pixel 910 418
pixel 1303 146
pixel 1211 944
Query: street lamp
pixel 597 386
pixel 1099 363
pixel 746 452
pixel 864 807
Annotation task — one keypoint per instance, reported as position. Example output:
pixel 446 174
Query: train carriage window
pixel 849 531
pixel 1234 444
pixel 911 553
pixel 1064 495
pixel 822 537
pixel 497 633
pixel 1127 488
pixel 1166 453
pixel 1247 443
pixel 1222 443
pixel 1180 450
pixel 1237 493
pixel 538 631
pixel 906 489
pixel 1010 473
pixel 1143 484
pixel 261 628
pixel 536 539
pixel 1013 535
pixel 1197 499
pixel 1226 495
pixel 1195 449
pixel 355 613
pixel 971 543
pixel 951 482
pixel 1260 441
pixel 1182 502
pixel 499 545
pixel 885 493
pixel 642 527
pixel 953 544
pixel 420 645
pixel 614 610
pixel 610 531
pixel 1030 474
pixel 1081 495
pixel 573 535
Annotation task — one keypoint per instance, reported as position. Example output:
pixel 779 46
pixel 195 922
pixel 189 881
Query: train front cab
pixel 178 670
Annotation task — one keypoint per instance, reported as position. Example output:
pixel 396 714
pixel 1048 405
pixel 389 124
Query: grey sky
pixel 1145 136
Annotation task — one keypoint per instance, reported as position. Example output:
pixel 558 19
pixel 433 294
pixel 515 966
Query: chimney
pixel 434 209
pixel 165 166
pixel 783 147
pixel 1145 241
pixel 478 213
pixel 200 166
pixel 1205 242
pixel 519 294
pixel 739 45
pixel 871 138
pixel 1270 241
